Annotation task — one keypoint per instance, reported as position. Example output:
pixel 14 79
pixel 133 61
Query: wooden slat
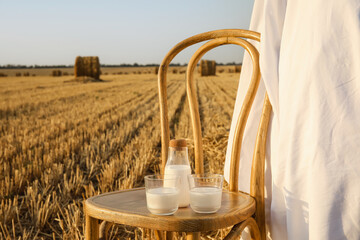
pixel 194 109
pixel 257 181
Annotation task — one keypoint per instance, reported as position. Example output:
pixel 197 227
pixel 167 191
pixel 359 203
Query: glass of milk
pixel 162 194
pixel 205 192
pixel 178 165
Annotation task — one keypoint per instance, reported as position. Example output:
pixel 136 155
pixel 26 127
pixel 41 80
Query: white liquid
pixel 162 201
pixel 205 199
pixel 181 171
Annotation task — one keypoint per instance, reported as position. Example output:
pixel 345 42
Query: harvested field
pixel 105 70
pixel 62 142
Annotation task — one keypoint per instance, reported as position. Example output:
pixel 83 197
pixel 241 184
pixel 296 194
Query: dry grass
pixel 104 70
pixel 64 142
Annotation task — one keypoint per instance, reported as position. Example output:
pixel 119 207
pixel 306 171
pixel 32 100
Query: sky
pixel 43 32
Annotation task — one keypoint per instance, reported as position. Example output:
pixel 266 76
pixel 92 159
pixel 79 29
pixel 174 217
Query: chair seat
pixel 129 207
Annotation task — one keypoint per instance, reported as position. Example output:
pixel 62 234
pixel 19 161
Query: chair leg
pixel 239 228
pixel 169 235
pixel 159 235
pixel 91 228
pixel 148 233
pixel 104 230
pixel 145 233
pixel 193 236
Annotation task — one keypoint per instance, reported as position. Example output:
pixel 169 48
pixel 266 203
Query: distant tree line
pixel 13 66
pixel 16 66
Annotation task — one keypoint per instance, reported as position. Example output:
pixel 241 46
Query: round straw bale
pixel 207 68
pixel 56 73
pixel 87 66
pixel 79 67
pixel 238 68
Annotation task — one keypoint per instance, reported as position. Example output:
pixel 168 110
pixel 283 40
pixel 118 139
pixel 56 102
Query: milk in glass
pixel 162 200
pixel 205 199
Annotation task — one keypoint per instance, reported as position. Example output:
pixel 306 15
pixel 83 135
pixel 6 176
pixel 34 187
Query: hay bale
pixel 95 67
pixel 3 74
pixel 87 67
pixel 56 73
pixel 26 74
pixel 174 71
pixel 238 68
pixel 221 70
pixel 79 67
pixel 207 68
pixel 156 70
pixel 18 74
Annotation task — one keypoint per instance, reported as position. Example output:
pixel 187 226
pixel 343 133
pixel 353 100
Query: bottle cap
pixel 177 143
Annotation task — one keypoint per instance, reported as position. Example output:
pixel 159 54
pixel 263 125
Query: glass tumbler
pixel 205 192
pixel 162 194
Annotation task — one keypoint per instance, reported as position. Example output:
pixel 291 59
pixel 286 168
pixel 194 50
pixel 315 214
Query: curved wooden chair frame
pixel 251 214
pixel 222 37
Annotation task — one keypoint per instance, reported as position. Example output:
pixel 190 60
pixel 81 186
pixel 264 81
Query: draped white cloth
pixel 310 64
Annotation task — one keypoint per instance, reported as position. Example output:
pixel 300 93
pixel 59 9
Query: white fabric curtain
pixel 310 64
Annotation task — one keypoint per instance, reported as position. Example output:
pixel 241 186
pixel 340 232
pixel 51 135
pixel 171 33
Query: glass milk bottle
pixel 178 164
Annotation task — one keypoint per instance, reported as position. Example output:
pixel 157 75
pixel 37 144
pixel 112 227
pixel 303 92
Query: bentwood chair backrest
pixel 215 39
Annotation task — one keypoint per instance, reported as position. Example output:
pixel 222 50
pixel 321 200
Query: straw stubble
pixel 62 143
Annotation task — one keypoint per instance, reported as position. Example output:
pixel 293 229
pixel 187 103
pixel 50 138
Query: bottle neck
pixel 178 156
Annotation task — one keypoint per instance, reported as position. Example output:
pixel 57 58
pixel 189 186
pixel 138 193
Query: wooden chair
pixel 238 209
